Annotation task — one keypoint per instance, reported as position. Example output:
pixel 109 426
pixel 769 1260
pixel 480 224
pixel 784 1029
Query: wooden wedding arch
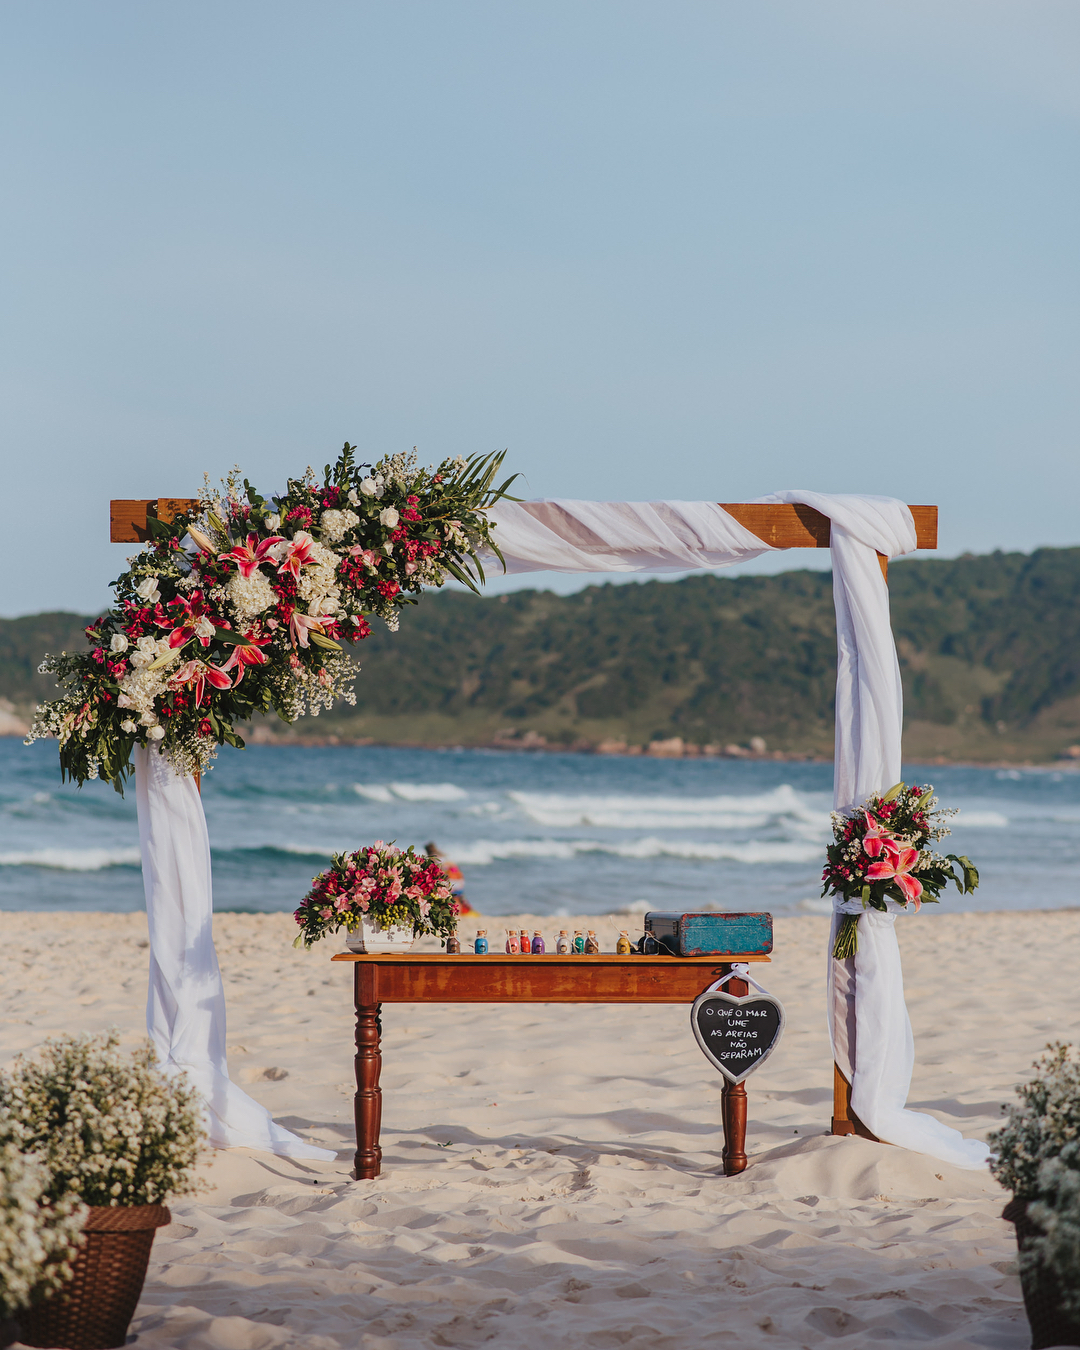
pixel 783 525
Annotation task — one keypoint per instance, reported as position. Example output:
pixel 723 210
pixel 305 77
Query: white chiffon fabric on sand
pixel 576 536
pixel 185 1007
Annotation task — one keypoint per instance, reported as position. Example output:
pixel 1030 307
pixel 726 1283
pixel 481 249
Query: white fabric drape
pixel 575 536
pixel 185 1008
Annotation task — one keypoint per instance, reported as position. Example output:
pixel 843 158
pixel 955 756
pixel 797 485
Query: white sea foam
pixel 410 792
pixel 482 852
pixel 73 859
pixel 816 904
pixel 428 792
pixel 980 820
pixel 625 812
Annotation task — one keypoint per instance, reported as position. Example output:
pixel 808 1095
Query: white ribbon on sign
pixel 739 971
pixel 185 1007
pixel 576 536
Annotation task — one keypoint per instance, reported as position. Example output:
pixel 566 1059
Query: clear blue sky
pixel 693 250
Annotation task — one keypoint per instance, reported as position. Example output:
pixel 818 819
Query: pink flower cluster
pixel 386 884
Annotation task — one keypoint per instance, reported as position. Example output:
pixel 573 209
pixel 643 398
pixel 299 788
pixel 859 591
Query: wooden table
pixel 499 978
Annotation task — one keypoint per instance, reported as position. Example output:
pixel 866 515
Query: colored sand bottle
pixel 453 946
pixel 538 943
pixel 592 947
pixel 524 943
pixel 623 947
pixel 562 943
pixel 513 946
pixel 480 946
pixel 579 942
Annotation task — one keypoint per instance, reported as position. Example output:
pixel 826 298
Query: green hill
pixel 989 650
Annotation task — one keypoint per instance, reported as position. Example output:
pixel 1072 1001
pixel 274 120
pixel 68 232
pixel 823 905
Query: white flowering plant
pixel 1036 1155
pixel 246 605
pixel 109 1127
pixel 38 1238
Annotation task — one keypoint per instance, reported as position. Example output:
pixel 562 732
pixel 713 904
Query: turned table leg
pixel 733 1107
pixel 367 1104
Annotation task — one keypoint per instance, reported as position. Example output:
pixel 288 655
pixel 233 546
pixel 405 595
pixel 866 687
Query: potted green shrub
pixel 116 1134
pixel 37 1239
pixel 1037 1156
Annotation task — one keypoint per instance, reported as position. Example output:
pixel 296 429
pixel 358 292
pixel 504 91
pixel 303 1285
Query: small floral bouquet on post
pixel 385 885
pixel 881 853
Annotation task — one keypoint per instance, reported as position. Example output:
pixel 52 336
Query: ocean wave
pixel 73 859
pixel 625 812
pixel 483 852
pixel 980 820
pixel 410 792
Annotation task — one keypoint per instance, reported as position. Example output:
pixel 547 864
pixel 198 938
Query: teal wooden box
pixel 711 934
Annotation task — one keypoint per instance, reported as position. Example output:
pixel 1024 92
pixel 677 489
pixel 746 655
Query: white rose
pixel 389 517
pixel 147 589
pixel 368 487
pixel 141 659
pixel 156 734
pixel 128 725
pixel 204 628
pixel 147 643
pixel 273 523
pixel 148 719
pixel 119 643
pixel 353 499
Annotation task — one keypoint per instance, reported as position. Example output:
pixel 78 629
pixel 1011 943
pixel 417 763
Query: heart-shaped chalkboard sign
pixel 737 1034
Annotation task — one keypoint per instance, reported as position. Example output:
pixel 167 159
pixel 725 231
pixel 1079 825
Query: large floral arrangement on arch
pixel 245 606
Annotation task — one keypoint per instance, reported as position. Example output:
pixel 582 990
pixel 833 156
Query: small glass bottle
pixel 453 945
pixel 524 945
pixel 513 946
pixel 579 942
pixel 480 946
pixel 538 943
pixel 592 946
pixel 650 946
pixel 562 943
pixel 623 947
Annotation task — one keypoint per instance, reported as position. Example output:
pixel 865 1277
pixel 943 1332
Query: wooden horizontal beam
pixel 782 525
pixel 785 525
pixel 127 517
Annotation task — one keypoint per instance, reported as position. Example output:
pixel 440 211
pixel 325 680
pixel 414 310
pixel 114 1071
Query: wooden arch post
pixel 783 525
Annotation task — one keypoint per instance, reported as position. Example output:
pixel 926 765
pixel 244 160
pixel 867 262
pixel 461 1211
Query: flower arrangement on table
pixel 244 605
pixel 387 886
pixel 881 854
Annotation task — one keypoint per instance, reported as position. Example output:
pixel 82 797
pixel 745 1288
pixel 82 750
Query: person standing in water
pixel 454 872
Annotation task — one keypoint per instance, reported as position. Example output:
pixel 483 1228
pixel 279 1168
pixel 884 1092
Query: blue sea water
pixel 540 833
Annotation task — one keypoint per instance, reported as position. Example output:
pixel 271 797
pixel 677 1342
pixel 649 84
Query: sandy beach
pixel 552 1174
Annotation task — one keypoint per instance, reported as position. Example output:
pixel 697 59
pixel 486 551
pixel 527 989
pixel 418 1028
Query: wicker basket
pixel 94 1309
pixel 1042 1296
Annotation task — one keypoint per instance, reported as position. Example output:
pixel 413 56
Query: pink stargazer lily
pixel 250 655
pixel 199 674
pixel 877 836
pixel 248 556
pixel 896 866
pixel 297 553
pixel 300 625
pixel 191 619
